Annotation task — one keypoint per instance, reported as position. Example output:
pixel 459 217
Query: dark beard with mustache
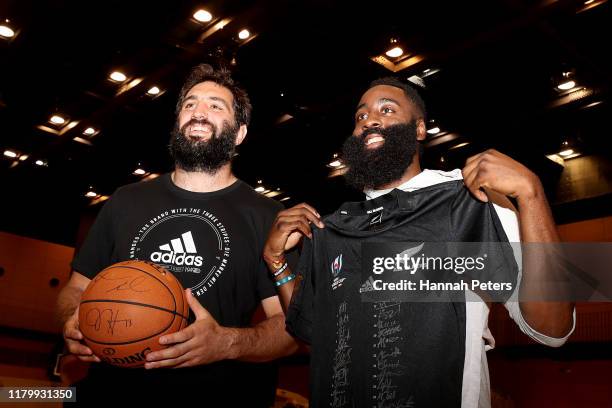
pixel 388 163
pixel 207 156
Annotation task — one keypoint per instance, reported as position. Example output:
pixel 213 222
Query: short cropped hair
pixel 409 91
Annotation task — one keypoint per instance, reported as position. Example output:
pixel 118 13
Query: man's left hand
pixel 498 172
pixel 202 342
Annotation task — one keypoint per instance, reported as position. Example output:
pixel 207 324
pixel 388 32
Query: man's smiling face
pixel 206 133
pixel 380 107
pixel 384 141
pixel 207 107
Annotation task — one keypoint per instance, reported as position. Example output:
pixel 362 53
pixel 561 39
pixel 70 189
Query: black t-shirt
pixel 387 353
pixel 212 242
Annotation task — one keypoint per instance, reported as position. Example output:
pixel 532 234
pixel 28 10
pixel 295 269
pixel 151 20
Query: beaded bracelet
pixel 286 279
pixel 281 270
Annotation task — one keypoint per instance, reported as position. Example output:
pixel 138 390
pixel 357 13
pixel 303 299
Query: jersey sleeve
pixel 300 313
pixel 509 221
pixel 96 252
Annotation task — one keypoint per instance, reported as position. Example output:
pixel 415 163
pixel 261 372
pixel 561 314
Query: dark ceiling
pixel 495 63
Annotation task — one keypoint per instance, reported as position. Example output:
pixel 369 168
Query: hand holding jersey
pixel 287 231
pixel 498 172
pixel 289 227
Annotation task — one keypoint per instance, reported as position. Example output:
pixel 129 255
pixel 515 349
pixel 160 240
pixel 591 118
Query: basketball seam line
pixel 123 343
pixel 116 266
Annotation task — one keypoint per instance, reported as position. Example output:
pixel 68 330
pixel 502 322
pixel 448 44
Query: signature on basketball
pixel 135 284
pixel 96 318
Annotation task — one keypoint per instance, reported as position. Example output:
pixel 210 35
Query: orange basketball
pixel 127 307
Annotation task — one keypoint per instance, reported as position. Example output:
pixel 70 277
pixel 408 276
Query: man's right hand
pixel 73 338
pixel 289 228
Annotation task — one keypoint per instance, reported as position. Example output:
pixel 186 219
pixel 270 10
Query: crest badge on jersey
pixel 336 268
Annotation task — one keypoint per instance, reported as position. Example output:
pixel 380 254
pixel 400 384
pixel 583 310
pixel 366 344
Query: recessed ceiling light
pixel 10 153
pixel 460 145
pixel 567 85
pixel 244 34
pixel 140 172
pixel 394 52
pixel 434 130
pixel 82 141
pixel 590 105
pixel 260 188
pixel 40 163
pixel 89 131
pixel 557 159
pixel 154 91
pixel 336 162
pixel 150 177
pixel 57 120
pixel 272 193
pixel 117 76
pixel 23 157
pixel 202 16
pixel 429 72
pixel 567 152
pixel 91 194
pixel 417 80
pixel 6 31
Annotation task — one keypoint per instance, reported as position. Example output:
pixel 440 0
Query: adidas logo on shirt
pixel 178 252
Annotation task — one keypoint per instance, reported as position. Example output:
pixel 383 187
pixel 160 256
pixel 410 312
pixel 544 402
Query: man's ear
pixel 421 129
pixel 242 132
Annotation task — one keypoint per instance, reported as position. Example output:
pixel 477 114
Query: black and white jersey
pixel 386 353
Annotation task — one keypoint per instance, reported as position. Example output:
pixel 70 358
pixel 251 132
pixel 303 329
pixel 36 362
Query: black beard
pixel 388 163
pixel 207 156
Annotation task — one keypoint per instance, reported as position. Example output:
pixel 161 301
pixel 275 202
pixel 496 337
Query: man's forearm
pixel 285 291
pixel 553 319
pixel 265 342
pixel 67 302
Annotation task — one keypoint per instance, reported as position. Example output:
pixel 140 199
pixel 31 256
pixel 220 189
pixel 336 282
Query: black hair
pixel 409 91
pixel 206 73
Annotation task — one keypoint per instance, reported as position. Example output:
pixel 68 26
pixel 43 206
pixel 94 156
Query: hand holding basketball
pixel 73 338
pixel 202 342
pixel 126 308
